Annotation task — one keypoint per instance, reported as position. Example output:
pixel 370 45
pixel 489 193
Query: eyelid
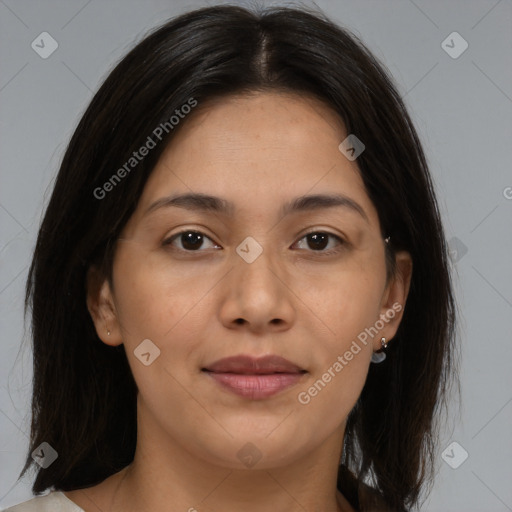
pixel 326 231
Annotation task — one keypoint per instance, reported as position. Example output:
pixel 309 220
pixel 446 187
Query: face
pixel 257 271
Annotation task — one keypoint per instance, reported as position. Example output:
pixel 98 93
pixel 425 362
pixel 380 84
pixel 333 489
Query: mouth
pixel 255 378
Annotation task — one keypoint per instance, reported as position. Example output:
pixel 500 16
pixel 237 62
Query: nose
pixel 258 297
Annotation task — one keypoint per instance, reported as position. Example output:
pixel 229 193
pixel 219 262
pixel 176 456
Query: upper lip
pixel 249 365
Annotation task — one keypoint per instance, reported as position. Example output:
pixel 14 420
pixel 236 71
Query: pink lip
pixel 255 378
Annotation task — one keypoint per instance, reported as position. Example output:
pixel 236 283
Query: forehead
pixel 261 148
pixel 258 126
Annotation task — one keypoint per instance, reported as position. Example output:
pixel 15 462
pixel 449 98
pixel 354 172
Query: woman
pixel 242 222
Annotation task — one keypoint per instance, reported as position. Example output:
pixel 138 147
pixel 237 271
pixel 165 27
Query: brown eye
pixel 318 241
pixel 193 241
pixel 189 240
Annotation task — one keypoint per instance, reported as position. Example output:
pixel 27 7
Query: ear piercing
pixel 378 357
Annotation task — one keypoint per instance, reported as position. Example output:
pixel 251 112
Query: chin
pixel 255 449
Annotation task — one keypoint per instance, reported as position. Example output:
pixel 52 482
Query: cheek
pixel 349 303
pixel 153 294
pixel 348 306
pixel 341 358
pixel 166 303
pixel 157 302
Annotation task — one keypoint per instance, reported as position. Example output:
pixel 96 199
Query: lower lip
pixel 256 387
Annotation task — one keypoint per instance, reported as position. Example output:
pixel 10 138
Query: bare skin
pixel 301 301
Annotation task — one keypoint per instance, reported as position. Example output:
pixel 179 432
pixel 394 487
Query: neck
pixel 164 471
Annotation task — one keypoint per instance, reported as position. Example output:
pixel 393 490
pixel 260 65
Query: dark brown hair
pixel 84 395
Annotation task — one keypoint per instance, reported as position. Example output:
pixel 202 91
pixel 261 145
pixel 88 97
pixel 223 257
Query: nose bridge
pixel 257 264
pixel 257 292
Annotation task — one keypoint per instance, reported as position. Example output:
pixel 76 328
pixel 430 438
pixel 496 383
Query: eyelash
pixel 322 252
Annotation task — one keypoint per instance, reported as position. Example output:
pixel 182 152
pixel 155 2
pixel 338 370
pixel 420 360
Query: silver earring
pixel 108 333
pixel 387 239
pixel 378 357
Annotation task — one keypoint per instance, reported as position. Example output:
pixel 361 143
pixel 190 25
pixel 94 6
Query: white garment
pixel 55 501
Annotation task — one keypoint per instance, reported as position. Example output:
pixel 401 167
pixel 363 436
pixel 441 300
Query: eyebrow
pixel 212 204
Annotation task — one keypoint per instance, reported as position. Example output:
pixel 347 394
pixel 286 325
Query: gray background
pixel 462 108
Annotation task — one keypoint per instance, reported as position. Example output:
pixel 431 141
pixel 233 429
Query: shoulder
pixel 55 501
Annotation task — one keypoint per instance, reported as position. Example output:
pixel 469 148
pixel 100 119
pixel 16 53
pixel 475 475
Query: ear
pixel 395 297
pixel 101 306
